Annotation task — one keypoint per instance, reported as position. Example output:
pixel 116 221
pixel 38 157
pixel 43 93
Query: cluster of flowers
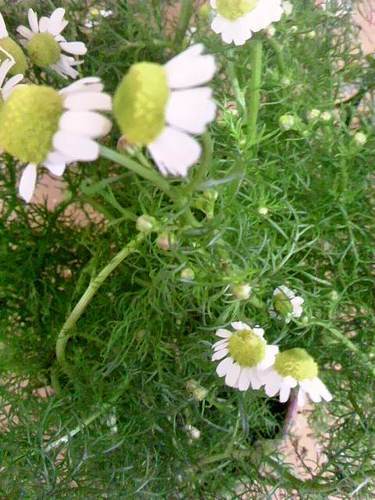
pixel 161 107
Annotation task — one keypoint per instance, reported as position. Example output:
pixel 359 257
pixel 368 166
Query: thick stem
pixel 253 101
pixel 183 23
pixel 66 331
pixel 135 167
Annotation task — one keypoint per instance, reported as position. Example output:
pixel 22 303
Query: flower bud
pixel 263 211
pixel 165 241
pixel 287 8
pixel 287 122
pixel 146 224
pixel 241 292
pixel 270 31
pixel 198 392
pixel 313 115
pixel 193 432
pixel 326 116
pixel 360 139
pixel 311 35
pixel 187 274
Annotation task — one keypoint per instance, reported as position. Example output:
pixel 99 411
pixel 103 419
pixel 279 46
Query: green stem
pixel 183 22
pixel 204 166
pixel 135 167
pixel 253 101
pixel 276 47
pixel 66 331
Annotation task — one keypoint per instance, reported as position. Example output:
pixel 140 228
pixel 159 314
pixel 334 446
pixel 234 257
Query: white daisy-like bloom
pixel 162 107
pixel 295 369
pixel 244 356
pixel 7 87
pixel 237 20
pixel 287 303
pixel 46 46
pixel 43 127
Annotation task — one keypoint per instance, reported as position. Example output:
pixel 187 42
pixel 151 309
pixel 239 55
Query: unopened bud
pixel 287 8
pixel 311 34
pixel 326 116
pixel 270 31
pixel 263 211
pixel 146 224
pixel 287 122
pixel 241 292
pixel 313 115
pixel 196 390
pixel 165 241
pixel 360 139
pixel 187 274
pixel 193 432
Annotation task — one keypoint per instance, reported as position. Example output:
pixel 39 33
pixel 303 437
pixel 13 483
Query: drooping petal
pixel 190 68
pixel 232 375
pixel 269 357
pixel 90 83
pixel 4 68
pixel 27 183
pixel 312 390
pixel 191 110
pixel 245 379
pixel 57 22
pixel 55 168
pixel 10 85
pixel 175 152
pixel 284 392
pixel 321 387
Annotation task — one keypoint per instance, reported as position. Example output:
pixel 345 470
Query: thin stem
pixel 135 167
pixel 66 331
pixel 202 169
pixel 183 22
pixel 253 101
pixel 276 47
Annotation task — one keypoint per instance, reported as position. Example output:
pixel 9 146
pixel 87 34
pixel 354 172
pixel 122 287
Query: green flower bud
pixel 166 241
pixel 196 390
pixel 28 121
pixel 246 348
pixel 146 224
pixel 12 48
pixel 43 50
pixel 360 139
pixel 140 102
pixel 288 122
pixel 296 363
pixel 242 291
pixel 187 274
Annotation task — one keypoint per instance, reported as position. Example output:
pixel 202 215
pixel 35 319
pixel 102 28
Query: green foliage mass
pixel 148 332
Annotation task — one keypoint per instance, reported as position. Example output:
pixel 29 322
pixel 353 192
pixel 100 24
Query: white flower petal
pixel 10 85
pixel 25 32
pixel 55 168
pixel 284 392
pixel 232 375
pixel 57 22
pixel 223 367
pixel 75 147
pixel 311 389
pixel 88 101
pixel 301 398
pixel 220 354
pixel 256 379
pixel 4 68
pixel 33 21
pixel 190 68
pixel 239 325
pixel 88 84
pixel 269 357
pixel 245 379
pixel 3 28
pixel 27 183
pixel 272 381
pixel 87 123
pixel 220 343
pixel 258 331
pixel 191 110
pixel 321 387
pixel 221 332
pixel 43 24
pixel 175 152
pixel 75 48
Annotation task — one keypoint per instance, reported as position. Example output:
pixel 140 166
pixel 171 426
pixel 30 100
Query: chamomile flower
pixel 287 303
pixel 40 126
pixel 46 46
pixel 237 20
pixel 161 107
pixel 295 368
pixel 7 87
pixel 9 49
pixel 244 354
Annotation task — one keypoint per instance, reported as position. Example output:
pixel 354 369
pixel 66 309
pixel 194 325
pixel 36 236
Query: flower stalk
pixel 253 102
pixel 183 23
pixel 66 331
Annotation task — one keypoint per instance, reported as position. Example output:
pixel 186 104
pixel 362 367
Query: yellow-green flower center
pixel 9 46
pixel 234 9
pixel 28 121
pixel 282 304
pixel 246 348
pixel 296 363
pixel 140 103
pixel 44 50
